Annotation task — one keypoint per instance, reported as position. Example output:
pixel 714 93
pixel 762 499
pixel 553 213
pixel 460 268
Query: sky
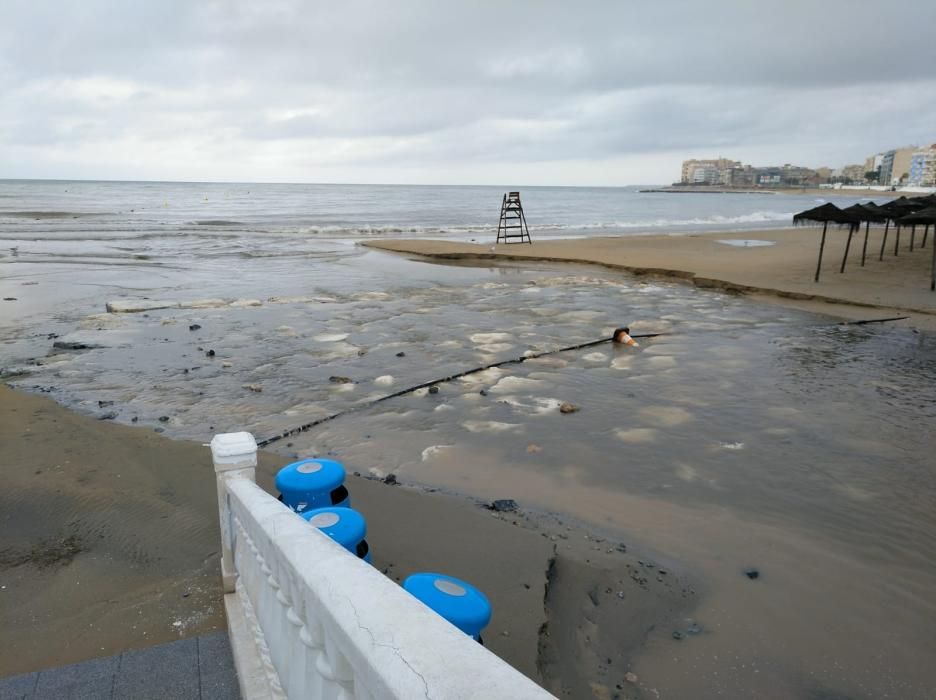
pixel 406 91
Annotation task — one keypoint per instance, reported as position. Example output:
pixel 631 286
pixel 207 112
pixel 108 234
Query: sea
pixel 745 435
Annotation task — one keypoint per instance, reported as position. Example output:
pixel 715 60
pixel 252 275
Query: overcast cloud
pixel 471 92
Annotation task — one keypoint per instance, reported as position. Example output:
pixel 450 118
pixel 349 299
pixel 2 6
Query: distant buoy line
pixel 360 407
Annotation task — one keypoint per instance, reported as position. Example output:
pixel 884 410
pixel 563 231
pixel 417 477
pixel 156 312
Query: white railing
pixel 307 619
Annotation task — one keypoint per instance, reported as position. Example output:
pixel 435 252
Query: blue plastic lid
pixel 457 601
pixel 344 525
pixel 310 476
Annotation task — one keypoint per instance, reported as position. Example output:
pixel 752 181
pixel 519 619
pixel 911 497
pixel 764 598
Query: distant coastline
pixel 817 191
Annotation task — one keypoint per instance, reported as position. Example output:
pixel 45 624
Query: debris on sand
pixel 752 573
pixel 566 407
pixel 504 505
pixel 46 553
pixel 391 480
pixel 335 379
pixel 253 387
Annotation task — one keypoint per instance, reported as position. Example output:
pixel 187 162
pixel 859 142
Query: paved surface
pixel 200 668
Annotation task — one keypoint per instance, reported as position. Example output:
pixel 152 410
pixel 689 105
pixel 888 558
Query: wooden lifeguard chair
pixel 512 227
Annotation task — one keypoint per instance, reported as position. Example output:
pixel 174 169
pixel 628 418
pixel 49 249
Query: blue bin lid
pixel 310 476
pixel 457 601
pixel 344 525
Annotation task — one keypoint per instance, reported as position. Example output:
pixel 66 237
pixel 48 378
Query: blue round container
pixel 344 525
pixel 312 483
pixel 457 601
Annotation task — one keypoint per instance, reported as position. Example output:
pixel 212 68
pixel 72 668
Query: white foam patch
pixel 370 296
pixel 732 445
pixel 636 436
pixel 686 472
pixel 622 362
pixel 342 388
pixel 490 426
pixel 384 380
pixel 595 357
pixel 666 416
pixel 486 338
pixel 434 450
pixel 488 376
pixel 491 348
pixel 443 407
pixel 512 385
pixel 330 337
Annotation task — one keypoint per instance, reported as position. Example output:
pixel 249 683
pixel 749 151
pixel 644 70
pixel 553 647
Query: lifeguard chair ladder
pixel 512 227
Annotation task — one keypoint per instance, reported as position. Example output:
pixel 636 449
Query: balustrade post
pixel 235 457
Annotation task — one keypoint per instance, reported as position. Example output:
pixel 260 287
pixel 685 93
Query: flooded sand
pixel 748 437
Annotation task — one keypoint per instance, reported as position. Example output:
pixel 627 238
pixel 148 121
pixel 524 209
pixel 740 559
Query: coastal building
pixel 873 163
pixel 923 167
pixel 708 172
pixel 895 165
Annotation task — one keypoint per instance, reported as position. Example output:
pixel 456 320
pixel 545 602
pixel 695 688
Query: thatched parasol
pixel 824 214
pixel 926 217
pixel 868 213
pixel 898 208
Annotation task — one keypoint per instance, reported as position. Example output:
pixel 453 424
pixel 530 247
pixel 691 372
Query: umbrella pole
pixel 897 239
pixel 864 248
pixel 925 234
pixel 825 225
pixel 933 267
pixel 912 236
pixel 884 241
pixel 851 230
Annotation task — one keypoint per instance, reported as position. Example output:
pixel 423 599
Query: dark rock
pixel 752 573
pixel 401 354
pixel 102 404
pixel 164 419
pixel 433 390
pixel 621 547
pixel 69 345
pixel 483 392
pixel 567 407
pixel 504 505
pixel 210 353
pixel 9 298
pixel 677 634
pixel 134 419
pixel 340 380
pixel 194 327
pixel 111 415
pixel 159 430
pixel 390 480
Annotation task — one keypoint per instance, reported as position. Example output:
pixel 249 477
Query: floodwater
pixel 747 436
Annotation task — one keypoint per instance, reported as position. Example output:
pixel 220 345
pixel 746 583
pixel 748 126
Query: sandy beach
pixel 111 539
pixel 783 271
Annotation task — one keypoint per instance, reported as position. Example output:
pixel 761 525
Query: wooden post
pixel 933 267
pixel 825 226
pixel 864 248
pixel 925 234
pixel 851 230
pixel 884 240
pixel 897 239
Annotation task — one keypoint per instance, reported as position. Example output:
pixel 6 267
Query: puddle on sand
pixel 830 495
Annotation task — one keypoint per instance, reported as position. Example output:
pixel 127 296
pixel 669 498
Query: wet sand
pixel 110 543
pixel 780 272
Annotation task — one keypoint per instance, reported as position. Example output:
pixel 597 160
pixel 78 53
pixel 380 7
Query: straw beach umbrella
pixel 867 213
pixel 824 214
pixel 927 217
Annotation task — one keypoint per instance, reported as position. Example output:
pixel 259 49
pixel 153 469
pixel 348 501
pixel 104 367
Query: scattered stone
pixel 134 419
pixel 194 327
pixel 253 387
pixel 9 298
pixel 72 345
pixel 159 430
pixel 621 547
pixel 752 573
pixel 677 635
pixel 630 677
pixel 533 449
pixel 401 354
pixel 362 352
pixel 164 419
pixel 566 407
pixel 102 404
pixel 433 390
pixel 483 392
pixel 505 633
pixel 210 353
pixel 620 594
pixel 694 628
pixel 110 415
pixel 186 594
pixel 391 480
pixel 227 365
pixel 504 505
pixel 335 379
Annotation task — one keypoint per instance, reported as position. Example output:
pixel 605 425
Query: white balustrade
pixel 308 619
